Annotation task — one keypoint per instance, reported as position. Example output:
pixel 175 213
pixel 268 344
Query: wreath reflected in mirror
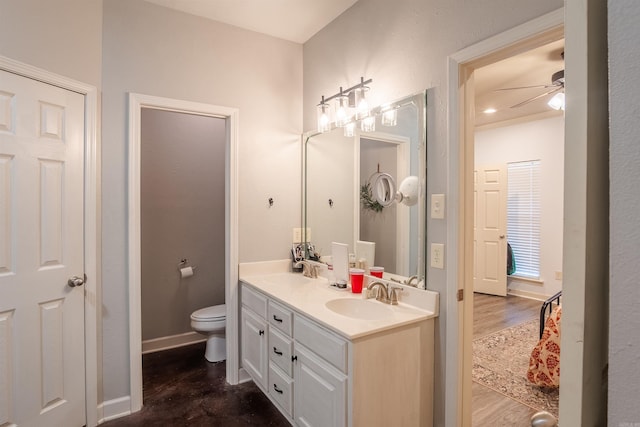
pixel 367 200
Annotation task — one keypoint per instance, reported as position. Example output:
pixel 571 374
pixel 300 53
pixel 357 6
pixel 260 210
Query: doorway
pixel 519 170
pixel 136 103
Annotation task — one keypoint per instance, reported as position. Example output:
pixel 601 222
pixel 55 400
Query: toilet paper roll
pixel 186 272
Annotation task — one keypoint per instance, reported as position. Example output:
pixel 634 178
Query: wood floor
pixel 491 314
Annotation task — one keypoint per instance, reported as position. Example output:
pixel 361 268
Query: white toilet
pixel 211 321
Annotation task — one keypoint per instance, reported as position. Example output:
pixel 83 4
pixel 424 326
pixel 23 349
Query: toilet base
pixel 216 348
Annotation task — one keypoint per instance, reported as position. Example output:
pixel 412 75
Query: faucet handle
pixel 393 294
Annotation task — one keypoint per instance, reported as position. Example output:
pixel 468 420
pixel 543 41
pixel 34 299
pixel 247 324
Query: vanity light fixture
pixel 389 117
pixel 349 129
pixel 368 124
pixel 324 117
pixel 353 97
pixel 557 102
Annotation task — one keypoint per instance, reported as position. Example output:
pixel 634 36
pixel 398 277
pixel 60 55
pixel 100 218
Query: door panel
pixel 490 225
pixel 42 367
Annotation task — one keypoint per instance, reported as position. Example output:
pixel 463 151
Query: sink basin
pixel 359 308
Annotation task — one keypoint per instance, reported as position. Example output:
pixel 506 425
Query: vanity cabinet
pixel 318 378
pixel 254 336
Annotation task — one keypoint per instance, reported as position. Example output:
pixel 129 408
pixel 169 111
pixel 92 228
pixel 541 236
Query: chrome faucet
pixel 381 294
pixel 308 269
pixel 386 294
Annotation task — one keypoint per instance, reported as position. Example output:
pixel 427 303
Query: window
pixel 523 216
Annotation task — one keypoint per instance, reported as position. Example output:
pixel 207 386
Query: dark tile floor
pixel 182 389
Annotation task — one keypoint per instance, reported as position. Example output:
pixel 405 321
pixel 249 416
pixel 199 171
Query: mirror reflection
pixel 369 191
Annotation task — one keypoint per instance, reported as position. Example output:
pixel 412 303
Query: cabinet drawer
pixel 280 349
pixel 281 388
pixel 280 317
pixel 255 301
pixel 325 344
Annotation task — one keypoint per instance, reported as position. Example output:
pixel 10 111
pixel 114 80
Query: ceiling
pixel 294 20
pixel 530 68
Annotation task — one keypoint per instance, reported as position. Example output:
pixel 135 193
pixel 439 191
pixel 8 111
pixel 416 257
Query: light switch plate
pixel 437 206
pixel 437 255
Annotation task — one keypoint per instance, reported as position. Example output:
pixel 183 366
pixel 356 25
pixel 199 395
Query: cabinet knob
pixel 294 358
pixel 261 332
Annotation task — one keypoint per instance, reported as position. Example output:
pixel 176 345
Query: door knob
pixel 502 236
pixel 75 281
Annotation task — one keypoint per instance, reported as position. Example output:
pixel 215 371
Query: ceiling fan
pixel 557 84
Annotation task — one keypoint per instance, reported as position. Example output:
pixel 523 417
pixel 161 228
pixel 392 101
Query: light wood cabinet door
pixel 254 346
pixel 320 391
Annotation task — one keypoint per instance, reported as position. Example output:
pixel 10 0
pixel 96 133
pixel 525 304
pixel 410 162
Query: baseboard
pixel 526 294
pixel 171 341
pixel 114 408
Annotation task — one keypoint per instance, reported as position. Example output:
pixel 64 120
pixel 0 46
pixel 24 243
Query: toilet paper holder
pixel 183 265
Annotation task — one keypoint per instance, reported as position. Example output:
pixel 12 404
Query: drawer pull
pixel 275 350
pixel 294 358
pixel 261 332
pixel 275 387
pixel 276 319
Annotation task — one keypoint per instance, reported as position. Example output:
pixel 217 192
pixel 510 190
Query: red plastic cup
pixel 376 271
pixel 357 277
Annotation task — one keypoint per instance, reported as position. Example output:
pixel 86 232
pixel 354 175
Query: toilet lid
pixel 209 313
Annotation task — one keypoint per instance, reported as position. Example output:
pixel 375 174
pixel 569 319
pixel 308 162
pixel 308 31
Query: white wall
pixel 403 47
pixel 61 36
pixel 624 322
pixel 535 140
pixel 157 51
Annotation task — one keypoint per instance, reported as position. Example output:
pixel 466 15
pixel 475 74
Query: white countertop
pixel 309 296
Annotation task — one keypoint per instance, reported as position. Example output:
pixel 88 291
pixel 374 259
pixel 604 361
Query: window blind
pixel 523 216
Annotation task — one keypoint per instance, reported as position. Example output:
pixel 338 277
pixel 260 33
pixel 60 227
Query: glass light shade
pixel 368 124
pixel 349 129
pixel 557 102
pixel 342 111
pixel 362 105
pixel 324 118
pixel 389 117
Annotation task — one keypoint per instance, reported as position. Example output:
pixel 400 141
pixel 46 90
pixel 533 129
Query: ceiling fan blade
pixel 536 97
pixel 524 87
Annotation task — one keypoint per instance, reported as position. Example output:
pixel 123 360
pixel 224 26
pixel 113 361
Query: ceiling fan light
pixel 557 102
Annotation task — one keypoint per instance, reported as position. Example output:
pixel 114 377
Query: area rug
pixel 500 362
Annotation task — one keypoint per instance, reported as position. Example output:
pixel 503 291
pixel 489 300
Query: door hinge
pixel 460 294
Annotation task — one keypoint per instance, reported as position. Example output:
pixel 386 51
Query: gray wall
pixel 182 203
pixel 403 46
pixel 156 51
pixel 624 322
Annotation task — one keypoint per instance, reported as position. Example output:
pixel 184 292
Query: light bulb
pixel 362 105
pixel 342 111
pixel 324 119
pixel 557 102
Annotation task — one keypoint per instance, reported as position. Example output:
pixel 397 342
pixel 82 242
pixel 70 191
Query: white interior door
pixel 490 230
pixel 42 365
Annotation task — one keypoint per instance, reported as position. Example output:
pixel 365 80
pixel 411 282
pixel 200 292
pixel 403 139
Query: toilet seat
pixel 214 313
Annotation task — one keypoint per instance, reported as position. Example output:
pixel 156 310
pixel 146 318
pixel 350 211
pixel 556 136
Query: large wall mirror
pixel 371 188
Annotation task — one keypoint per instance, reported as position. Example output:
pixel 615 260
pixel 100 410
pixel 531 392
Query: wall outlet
pixel 297 235
pixel 437 255
pixel 437 206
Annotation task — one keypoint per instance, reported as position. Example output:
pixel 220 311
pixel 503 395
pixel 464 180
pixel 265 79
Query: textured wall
pixel 624 321
pixel 182 216
pixel 536 140
pixel 156 51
